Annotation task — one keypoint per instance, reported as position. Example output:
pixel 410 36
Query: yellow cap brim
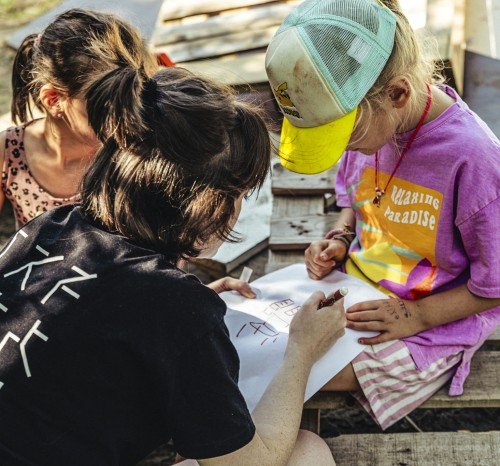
pixel 314 150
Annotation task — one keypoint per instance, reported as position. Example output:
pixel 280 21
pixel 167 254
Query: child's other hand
pixel 323 256
pixel 232 284
pixel 393 318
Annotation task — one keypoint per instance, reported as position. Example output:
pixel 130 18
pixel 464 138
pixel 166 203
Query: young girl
pixel 44 160
pixel 108 349
pixel 419 190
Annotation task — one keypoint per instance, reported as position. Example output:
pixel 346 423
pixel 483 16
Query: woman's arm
pixel 397 318
pixel 277 416
pixel 2 157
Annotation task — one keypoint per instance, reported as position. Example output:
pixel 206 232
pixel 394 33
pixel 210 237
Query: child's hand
pixel 393 318
pixel 323 256
pixel 232 284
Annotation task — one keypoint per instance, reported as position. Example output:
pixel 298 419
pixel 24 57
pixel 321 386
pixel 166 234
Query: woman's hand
pixel 232 284
pixel 313 331
pixel 323 256
pixel 393 318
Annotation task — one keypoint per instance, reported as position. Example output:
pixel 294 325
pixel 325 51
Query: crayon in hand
pixel 333 298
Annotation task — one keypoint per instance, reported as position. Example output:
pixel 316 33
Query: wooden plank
pixel 177 10
pixel 290 206
pixel 299 231
pixel 142 14
pixel 279 259
pixel 481 390
pixel 422 449
pixel 310 420
pixel 495 336
pixel 219 45
pixel 247 68
pixel 482 27
pixel 482 88
pixel 253 19
pixel 287 182
pixel 218 268
pixel 297 221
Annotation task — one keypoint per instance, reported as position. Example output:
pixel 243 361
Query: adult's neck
pixel 64 145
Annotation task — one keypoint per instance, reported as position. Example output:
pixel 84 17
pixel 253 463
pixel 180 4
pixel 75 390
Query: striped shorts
pixel 392 386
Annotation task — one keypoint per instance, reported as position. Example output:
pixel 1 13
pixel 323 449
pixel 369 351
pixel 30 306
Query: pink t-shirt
pixel 437 226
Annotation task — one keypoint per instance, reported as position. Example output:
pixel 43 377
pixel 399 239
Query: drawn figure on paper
pixel 280 313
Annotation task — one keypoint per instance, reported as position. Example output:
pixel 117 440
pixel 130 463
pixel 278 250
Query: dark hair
pixel 77 46
pixel 178 151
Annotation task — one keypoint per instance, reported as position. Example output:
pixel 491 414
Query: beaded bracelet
pixel 346 235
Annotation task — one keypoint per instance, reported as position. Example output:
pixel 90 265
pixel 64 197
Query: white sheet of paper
pixel 259 327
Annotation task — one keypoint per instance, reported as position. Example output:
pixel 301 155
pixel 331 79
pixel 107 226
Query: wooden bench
pixel 423 449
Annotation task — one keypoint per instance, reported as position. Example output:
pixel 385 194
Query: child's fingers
pixel 331 252
pixel 372 326
pixel 366 316
pixel 365 306
pixel 382 338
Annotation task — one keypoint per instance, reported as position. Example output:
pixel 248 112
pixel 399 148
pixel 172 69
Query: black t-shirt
pixel 108 351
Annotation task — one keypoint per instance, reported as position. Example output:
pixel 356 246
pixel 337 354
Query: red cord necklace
pixel 379 193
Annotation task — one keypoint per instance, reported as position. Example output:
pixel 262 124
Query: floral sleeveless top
pixel 27 197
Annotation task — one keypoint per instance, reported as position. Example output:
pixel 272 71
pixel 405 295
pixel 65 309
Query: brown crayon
pixel 333 298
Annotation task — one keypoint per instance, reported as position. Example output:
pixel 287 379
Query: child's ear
pixel 52 100
pixel 398 92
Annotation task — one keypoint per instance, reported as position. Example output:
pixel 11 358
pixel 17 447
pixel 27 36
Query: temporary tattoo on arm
pixel 388 307
pixel 403 308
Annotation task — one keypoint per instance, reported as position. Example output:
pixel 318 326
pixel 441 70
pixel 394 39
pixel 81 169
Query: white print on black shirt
pixel 22 346
pixel 19 233
pixel 61 284
pixel 2 307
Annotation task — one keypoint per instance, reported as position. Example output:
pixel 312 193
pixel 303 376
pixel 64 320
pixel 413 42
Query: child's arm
pixel 397 318
pixel 322 256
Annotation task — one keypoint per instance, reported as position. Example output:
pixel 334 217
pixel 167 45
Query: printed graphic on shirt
pixel 13 339
pixel 398 239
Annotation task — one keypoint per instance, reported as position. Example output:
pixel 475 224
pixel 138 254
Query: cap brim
pixel 314 150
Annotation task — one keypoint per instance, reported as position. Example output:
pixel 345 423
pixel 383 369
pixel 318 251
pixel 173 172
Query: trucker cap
pixel 321 62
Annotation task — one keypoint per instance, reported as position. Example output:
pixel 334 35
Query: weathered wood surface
pixel 297 221
pixel 221 25
pixel 482 27
pixel 182 9
pixel 481 390
pixel 299 231
pixel 234 69
pixel 287 182
pixel 219 45
pixel 482 88
pixel 310 420
pixel 423 449
pixel 142 14
pixel 291 206
pixel 279 259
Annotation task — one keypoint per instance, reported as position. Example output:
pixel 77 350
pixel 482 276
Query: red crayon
pixel 328 301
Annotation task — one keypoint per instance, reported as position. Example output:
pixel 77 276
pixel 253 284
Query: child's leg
pixel 344 381
pixel 389 385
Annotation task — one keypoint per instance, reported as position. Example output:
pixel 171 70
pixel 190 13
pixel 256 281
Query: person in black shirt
pixel 108 349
